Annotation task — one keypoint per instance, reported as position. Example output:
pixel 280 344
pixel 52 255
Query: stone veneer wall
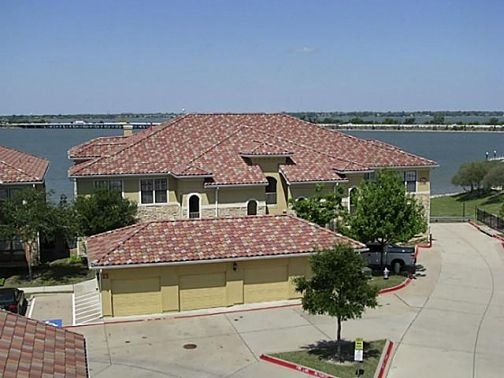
pixel 172 212
pixel 158 212
pixel 424 199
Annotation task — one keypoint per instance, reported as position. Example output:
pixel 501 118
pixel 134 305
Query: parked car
pixel 13 300
pixel 395 257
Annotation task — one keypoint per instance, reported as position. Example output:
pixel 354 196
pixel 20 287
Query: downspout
pixel 216 202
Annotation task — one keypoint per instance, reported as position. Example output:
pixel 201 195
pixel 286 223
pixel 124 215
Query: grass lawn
pixel 464 204
pixel 381 283
pixel 59 272
pixel 320 356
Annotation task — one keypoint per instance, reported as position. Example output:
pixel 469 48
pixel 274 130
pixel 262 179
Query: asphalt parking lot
pixel 447 324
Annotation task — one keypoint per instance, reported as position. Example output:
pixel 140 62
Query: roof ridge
pixel 155 131
pixel 18 169
pixel 138 226
pixel 213 146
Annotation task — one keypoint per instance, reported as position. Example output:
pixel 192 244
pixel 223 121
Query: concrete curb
pixel 487 231
pixel 48 289
pixel 406 282
pixel 294 366
pixel 384 360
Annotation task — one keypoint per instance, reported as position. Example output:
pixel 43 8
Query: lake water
pixel 449 149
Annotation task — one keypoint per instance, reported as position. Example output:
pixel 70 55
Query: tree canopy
pixel 385 212
pixel 27 215
pixel 320 208
pixel 102 211
pixel 338 286
pixel 472 174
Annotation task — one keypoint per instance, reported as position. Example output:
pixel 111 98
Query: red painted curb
pixel 385 361
pixel 406 282
pixel 294 366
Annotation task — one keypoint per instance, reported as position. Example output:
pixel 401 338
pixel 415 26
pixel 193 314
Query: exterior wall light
pixel 235 266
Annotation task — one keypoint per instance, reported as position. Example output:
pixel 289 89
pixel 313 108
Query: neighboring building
pixel 220 165
pixel 167 266
pixel 29 348
pixel 18 170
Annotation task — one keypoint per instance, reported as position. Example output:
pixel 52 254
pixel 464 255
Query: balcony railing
pixel 271 198
pixel 194 214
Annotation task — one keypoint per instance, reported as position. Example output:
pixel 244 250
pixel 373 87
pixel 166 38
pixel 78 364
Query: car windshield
pixel 6 296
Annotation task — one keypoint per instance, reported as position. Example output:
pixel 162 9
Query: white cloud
pixel 306 50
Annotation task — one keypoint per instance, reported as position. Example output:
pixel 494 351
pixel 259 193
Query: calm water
pixel 449 149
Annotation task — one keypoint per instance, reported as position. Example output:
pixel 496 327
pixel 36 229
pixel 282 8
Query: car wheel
pixel 396 267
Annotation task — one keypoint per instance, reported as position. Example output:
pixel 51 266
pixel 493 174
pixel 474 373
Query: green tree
pixel 338 286
pixel 471 174
pixel 322 208
pixel 27 215
pixel 493 121
pixel 494 176
pixel 102 211
pixel 385 212
pixel 409 121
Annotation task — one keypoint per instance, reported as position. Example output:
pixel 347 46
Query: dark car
pixel 13 300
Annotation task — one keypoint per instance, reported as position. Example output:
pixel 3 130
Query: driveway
pixel 444 324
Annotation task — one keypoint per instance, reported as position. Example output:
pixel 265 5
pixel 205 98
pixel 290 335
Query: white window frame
pixel 409 181
pixel 153 191
pixel 108 184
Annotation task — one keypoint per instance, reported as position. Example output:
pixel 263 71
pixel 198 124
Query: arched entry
pixel 194 206
pixel 252 207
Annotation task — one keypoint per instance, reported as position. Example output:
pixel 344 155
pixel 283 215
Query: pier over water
pixel 79 125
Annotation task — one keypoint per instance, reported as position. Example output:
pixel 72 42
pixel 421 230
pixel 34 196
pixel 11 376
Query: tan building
pixel 220 165
pixel 18 170
pixel 169 266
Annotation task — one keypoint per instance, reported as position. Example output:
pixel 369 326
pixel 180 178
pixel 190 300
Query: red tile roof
pixel 210 239
pixel 29 348
pixel 217 144
pixel 20 167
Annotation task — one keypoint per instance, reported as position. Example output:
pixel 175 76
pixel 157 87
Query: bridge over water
pixel 80 125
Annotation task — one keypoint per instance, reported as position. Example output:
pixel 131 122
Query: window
pixel 115 185
pixel 410 181
pixel 153 191
pixel 370 176
pixel 271 191
pixel 194 206
pixel 252 207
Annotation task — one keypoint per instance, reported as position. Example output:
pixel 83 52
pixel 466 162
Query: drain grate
pixel 190 346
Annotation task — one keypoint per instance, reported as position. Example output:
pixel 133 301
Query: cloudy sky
pixel 104 56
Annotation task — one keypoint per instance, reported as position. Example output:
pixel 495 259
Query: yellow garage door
pixel 265 284
pixel 136 297
pixel 202 291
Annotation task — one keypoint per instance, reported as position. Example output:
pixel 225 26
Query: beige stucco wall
pixel 170 277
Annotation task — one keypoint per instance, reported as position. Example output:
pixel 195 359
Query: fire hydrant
pixel 386 273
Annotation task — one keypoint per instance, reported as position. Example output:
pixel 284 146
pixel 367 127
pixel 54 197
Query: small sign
pixel 359 350
pixel 54 322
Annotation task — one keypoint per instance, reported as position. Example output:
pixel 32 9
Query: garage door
pixel 202 291
pixel 136 297
pixel 265 284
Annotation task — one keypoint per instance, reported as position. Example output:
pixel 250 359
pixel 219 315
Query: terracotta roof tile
pixel 216 143
pixel 210 239
pixel 33 349
pixel 20 167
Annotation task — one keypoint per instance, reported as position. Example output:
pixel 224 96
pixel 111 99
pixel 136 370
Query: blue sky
pixel 104 56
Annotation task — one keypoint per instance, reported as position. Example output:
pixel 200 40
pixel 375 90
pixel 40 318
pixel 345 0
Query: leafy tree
pixel 438 119
pixel 494 176
pixel 409 121
pixel 338 286
pixel 321 208
pixel 471 174
pixel 385 212
pixel 102 211
pixel 27 215
pixel 493 121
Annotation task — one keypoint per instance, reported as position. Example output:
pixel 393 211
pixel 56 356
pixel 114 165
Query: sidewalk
pixel 48 289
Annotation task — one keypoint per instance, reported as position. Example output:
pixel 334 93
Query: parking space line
pixel 32 304
pixel 73 308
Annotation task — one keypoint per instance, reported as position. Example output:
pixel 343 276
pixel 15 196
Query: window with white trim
pixel 410 178
pixel 153 191
pixel 109 184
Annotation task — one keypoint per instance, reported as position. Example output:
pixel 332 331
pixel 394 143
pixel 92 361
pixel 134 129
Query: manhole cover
pixel 190 346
